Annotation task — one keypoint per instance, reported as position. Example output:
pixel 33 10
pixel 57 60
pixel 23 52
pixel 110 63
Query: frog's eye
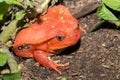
pixel 60 38
pixel 24 46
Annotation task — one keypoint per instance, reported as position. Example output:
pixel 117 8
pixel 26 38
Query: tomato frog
pixel 57 30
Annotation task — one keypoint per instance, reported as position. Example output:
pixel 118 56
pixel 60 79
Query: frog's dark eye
pixel 60 38
pixel 24 46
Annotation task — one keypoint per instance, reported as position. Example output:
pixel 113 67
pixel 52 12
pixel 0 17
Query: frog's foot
pixel 42 58
pixel 82 29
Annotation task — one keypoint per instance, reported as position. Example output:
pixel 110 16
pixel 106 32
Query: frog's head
pixel 23 50
pixel 66 35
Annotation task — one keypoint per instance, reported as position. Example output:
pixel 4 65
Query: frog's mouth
pixel 58 51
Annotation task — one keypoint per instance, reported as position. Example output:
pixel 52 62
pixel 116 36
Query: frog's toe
pixel 54 66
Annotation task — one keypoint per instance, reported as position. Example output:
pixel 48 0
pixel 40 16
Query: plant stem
pixel 4 37
pixel 11 61
pixel 8 31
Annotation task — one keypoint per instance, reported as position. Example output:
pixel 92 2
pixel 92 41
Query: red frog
pixel 58 29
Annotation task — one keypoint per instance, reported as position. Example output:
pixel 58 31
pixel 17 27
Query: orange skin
pixel 58 29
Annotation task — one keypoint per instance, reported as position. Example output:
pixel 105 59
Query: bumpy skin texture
pixel 58 29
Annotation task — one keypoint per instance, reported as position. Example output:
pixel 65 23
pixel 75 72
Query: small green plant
pixel 109 12
pixel 64 78
pixel 5 55
pixel 5 5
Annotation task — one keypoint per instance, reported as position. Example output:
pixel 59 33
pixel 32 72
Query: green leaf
pixel 25 25
pixel 64 78
pixel 20 15
pixel 105 13
pixel 114 4
pixel 30 3
pixel 3 59
pixel 3 9
pixel 13 76
pixel 117 23
pixel 13 2
pixel 2 0
pixel 97 25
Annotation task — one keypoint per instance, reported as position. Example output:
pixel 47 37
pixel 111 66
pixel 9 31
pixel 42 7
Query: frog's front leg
pixel 42 58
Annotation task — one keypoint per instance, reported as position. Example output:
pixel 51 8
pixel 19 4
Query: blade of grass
pixel 97 25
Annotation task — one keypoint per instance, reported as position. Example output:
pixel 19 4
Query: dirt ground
pixel 95 57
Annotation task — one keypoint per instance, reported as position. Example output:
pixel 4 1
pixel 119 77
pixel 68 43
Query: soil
pixel 95 57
